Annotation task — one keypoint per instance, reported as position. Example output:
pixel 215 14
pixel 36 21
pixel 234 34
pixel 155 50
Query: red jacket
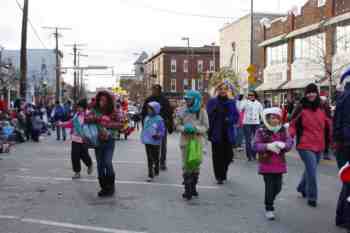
pixel 310 129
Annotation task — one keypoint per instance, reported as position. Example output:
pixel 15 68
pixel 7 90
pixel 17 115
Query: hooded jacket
pixel 271 162
pixel 196 116
pixel 153 125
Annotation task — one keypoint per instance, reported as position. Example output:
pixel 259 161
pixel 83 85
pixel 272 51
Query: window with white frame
pixel 186 84
pixel 343 39
pixel 186 66
pixel 211 66
pixel 194 81
pixel 200 84
pixel 173 85
pixel 173 65
pixel 200 66
pixel 277 54
pixel 321 3
pixel 311 48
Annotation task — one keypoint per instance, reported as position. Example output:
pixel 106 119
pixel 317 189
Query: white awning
pixel 338 19
pixel 304 30
pixel 270 86
pixel 272 40
pixel 298 83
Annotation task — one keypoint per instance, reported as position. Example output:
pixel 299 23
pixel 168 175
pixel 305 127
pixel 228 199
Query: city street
pixel 37 194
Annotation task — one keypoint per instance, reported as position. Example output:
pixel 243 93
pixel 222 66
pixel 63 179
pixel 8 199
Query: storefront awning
pixel 298 83
pixel 270 86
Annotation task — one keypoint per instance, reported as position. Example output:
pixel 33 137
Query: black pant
pixel 163 150
pixel 273 186
pixel 152 152
pixel 80 152
pixel 343 208
pixel 222 158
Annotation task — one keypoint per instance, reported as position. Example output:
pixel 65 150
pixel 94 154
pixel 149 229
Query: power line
pixel 32 26
pixel 179 13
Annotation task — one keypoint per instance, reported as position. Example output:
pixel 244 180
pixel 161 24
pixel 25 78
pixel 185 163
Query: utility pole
pixel 252 32
pixel 75 53
pixel 23 68
pixel 58 70
pixel 80 75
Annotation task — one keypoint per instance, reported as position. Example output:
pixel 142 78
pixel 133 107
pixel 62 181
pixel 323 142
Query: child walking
pixel 152 135
pixel 79 148
pixel 192 122
pixel 272 141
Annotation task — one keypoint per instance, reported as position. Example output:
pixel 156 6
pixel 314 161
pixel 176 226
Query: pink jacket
pixel 270 162
pixel 69 125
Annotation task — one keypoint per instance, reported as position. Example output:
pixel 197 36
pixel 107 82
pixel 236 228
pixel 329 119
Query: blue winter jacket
pixel 153 125
pixel 341 120
pixel 223 115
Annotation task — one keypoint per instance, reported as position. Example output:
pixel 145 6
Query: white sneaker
pixel 270 215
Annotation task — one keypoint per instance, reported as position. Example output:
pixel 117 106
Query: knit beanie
pixel 311 88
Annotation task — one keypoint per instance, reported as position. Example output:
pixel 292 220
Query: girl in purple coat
pixel 272 141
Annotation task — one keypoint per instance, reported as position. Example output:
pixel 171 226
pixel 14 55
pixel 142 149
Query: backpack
pixel 59 113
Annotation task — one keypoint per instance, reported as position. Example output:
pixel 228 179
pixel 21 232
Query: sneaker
pixel 90 170
pixel 76 176
pixel 163 167
pixel 270 215
pixel 150 179
pixel 312 203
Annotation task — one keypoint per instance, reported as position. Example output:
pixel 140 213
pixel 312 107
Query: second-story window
pixel 321 3
pixel 200 66
pixel 311 48
pixel 173 65
pixel 343 39
pixel 277 54
pixel 186 66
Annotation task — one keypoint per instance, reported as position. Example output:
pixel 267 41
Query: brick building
pixel 310 45
pixel 235 46
pixel 178 69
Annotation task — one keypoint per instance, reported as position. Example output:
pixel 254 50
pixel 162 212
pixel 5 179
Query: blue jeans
pixel 308 183
pixel 239 137
pixel 249 134
pixel 104 156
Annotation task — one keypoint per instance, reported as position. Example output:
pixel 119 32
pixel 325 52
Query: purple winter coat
pixel 274 163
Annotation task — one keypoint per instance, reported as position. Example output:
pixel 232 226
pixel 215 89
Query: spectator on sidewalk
pixel 58 115
pixel 309 125
pixel 341 135
pixel 223 116
pixel 166 113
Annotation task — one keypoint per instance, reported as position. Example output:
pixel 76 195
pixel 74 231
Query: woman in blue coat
pixel 341 134
pixel 223 116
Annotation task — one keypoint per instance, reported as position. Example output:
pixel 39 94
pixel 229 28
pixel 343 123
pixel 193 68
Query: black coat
pixel 166 112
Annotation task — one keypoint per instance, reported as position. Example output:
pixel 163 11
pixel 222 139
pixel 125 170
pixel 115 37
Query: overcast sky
pixel 116 29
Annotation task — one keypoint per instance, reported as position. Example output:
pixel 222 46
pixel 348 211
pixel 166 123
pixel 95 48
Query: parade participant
pixel 341 135
pixel 223 115
pixel 166 113
pixel 103 114
pixel 252 117
pixel 309 124
pixel 79 150
pixel 192 122
pixel 272 141
pixel 239 126
pixel 152 134
pixel 58 115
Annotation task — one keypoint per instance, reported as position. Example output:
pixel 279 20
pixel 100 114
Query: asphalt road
pixel 37 194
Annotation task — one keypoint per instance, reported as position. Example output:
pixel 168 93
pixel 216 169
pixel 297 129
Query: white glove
pixel 273 148
pixel 281 145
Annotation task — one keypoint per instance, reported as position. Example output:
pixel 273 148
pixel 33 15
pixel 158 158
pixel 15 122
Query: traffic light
pixel 251 74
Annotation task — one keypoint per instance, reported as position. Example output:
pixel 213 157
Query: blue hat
pixel 197 101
